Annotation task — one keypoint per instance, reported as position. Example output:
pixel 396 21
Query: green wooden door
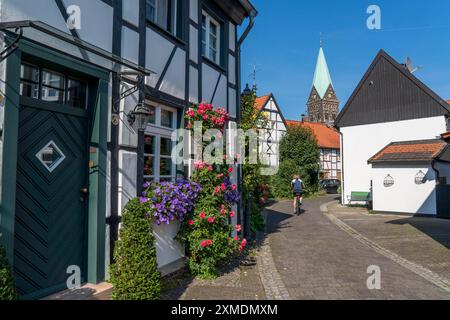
pixel 51 200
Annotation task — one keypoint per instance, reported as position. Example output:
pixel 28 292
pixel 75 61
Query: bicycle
pixel 298 207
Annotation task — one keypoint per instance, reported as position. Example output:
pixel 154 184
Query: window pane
pixel 149 145
pixel 166 118
pixel 151 10
pixel 29 73
pixel 52 95
pixel 213 55
pixel 165 166
pixel 149 166
pixel 52 79
pixel 166 147
pixel 213 29
pixel 76 93
pixel 152 119
pixel 29 89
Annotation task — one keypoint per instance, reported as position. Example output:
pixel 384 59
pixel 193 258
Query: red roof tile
pixel 260 102
pixel 326 136
pixel 423 150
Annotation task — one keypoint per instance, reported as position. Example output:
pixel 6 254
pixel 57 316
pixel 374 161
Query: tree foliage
pixel 255 187
pixel 299 155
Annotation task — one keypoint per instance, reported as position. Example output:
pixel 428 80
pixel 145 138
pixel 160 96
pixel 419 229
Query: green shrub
pixel 7 288
pixel 135 274
pixel 299 155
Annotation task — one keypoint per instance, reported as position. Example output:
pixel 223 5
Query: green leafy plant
pixel 135 274
pixel 7 287
pixel 256 190
pixel 299 155
pixel 207 230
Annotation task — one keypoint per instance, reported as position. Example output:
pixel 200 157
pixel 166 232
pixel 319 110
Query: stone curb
pixel 421 271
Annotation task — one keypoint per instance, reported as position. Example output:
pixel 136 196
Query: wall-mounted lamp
pixel 140 115
pixel 420 177
pixel 388 181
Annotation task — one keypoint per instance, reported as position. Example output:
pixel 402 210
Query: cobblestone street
pixel 325 255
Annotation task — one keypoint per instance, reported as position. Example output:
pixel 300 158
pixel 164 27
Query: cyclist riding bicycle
pixel 297 189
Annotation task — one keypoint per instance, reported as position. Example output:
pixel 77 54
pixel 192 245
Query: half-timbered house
pixel 77 75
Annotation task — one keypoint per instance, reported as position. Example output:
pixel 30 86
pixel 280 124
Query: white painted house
pixel 393 114
pixel 73 74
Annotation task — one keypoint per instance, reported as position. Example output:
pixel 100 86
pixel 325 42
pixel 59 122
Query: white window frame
pixel 158 131
pixel 207 32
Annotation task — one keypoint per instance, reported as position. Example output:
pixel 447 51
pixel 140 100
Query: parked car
pixel 330 185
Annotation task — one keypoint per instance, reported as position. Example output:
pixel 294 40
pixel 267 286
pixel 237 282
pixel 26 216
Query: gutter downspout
pixel 342 166
pixel 243 220
pixel 433 162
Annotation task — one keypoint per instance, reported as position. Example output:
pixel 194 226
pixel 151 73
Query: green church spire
pixel 322 78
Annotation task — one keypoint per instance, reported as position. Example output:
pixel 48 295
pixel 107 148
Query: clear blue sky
pixel 284 44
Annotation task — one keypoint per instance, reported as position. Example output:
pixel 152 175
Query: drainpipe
pixel 342 166
pixel 243 220
pixel 433 162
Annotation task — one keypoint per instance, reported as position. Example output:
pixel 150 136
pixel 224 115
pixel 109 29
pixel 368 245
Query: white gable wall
pixel 360 143
pixel 405 196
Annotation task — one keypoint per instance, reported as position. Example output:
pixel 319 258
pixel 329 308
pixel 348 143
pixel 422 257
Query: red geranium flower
pixel 232 214
pixel 191 222
pixel 230 169
pixel 202 215
pixel 211 220
pixel 238 228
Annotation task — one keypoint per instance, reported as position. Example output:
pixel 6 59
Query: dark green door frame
pixel 98 152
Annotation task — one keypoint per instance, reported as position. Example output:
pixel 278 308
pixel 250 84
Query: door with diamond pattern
pixel 51 201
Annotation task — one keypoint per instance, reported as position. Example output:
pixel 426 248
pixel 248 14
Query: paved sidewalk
pixel 235 283
pixel 318 260
pixel 423 241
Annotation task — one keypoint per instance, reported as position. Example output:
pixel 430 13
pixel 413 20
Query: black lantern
pixel 140 116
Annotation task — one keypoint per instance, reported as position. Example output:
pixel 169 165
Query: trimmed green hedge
pixel 7 288
pixel 135 274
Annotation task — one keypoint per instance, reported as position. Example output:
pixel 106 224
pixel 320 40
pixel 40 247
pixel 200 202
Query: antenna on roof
pixel 253 77
pixel 410 67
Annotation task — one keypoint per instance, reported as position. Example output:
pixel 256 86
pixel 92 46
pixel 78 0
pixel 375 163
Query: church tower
pixel 323 103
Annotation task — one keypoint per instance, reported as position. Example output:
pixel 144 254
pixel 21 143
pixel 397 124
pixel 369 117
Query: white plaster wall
pixel 360 143
pixel 232 108
pixel 220 98
pixel 46 11
pixel 405 196
pixel 130 45
pixel 231 69
pixel 209 78
pixel 96 17
pixel 96 22
pixel 127 177
pixel 193 44
pixel 157 54
pixel 127 134
pixel 193 10
pixel 232 36
pixel 130 11
pixel 174 82
pixel 168 250
pixel 193 85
